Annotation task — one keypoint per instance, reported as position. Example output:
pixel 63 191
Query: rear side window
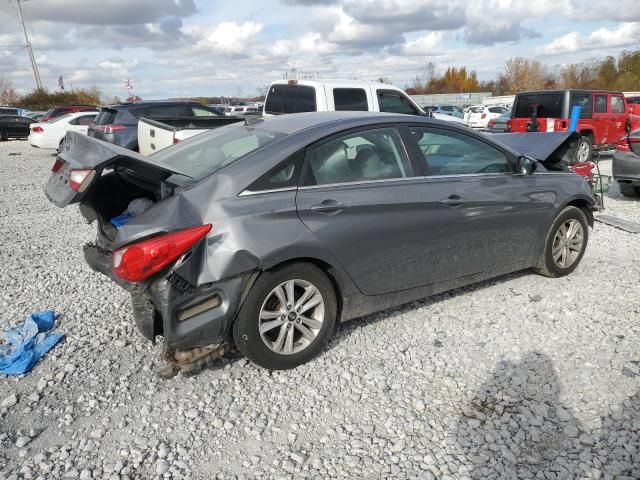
pixel 617 104
pixel 83 120
pixel 497 110
pixel 290 99
pixel 366 155
pixel 394 102
pixel 350 99
pixel 600 104
pixel 202 112
pixel 549 105
pixel 453 153
pixel 583 100
pixel 284 175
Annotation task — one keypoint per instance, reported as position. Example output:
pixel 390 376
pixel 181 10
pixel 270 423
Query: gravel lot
pixel 521 377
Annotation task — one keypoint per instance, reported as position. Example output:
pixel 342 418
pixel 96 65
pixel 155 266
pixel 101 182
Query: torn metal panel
pixel 554 150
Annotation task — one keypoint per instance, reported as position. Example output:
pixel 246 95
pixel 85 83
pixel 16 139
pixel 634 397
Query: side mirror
pixel 526 165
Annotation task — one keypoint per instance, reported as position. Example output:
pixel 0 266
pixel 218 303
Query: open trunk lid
pixel 556 151
pixel 83 160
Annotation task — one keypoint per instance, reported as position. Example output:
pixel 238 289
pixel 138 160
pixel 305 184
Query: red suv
pixel 64 109
pixel 602 119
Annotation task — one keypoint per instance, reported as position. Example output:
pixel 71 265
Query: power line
pixel 13 53
pixel 34 66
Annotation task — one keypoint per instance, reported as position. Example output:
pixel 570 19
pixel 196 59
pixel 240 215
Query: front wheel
pixel 565 244
pixel 287 318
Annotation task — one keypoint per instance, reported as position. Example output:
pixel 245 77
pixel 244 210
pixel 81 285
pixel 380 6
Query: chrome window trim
pixel 361 182
pixel 470 175
pixel 246 193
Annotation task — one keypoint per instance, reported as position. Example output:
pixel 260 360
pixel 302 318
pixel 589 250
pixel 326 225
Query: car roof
pixel 129 105
pixel 296 122
pixel 336 82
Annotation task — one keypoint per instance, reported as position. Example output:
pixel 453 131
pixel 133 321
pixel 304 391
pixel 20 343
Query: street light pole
pixel 36 73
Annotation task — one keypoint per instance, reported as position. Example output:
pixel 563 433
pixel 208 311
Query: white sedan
pixel 51 134
pixel 479 116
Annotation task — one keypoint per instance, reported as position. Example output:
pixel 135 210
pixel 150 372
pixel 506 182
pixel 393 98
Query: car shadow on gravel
pixel 343 329
pixel 516 426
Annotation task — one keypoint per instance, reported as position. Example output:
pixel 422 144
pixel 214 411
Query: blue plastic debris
pixel 121 220
pixel 23 345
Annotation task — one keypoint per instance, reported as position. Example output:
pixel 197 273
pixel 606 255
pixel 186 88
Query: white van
pixel 296 96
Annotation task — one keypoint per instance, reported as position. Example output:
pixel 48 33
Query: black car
pixel 8 111
pixel 118 124
pixel 626 165
pixel 14 126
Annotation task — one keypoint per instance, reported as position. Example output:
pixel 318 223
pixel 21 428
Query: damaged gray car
pixel 264 234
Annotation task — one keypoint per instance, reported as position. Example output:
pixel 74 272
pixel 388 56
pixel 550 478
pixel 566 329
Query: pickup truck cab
pixel 602 119
pixel 296 96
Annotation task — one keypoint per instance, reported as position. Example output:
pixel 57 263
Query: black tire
pixel 246 331
pixel 586 143
pixel 629 190
pixel 547 266
pixel 3 135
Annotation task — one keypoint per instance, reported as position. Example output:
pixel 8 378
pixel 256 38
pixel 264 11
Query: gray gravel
pixel 521 377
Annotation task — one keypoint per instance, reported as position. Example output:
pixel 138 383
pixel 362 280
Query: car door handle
pixel 453 201
pixel 328 207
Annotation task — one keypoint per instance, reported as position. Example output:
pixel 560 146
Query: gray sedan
pixel 267 232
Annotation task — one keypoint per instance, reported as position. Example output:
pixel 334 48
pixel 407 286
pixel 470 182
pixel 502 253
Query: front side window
pixel 394 102
pixel 617 104
pixel 599 104
pixel 360 156
pixel 168 111
pixel 350 99
pixel 453 153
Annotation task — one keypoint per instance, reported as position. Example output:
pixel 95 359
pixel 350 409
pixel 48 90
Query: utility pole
pixel 36 73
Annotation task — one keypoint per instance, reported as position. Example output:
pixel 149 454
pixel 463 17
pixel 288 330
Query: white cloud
pixel 625 35
pixel 427 45
pixel 226 38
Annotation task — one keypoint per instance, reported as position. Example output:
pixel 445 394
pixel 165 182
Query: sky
pixel 173 48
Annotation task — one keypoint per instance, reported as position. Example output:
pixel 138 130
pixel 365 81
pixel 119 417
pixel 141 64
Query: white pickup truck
pixel 292 96
pixel 154 135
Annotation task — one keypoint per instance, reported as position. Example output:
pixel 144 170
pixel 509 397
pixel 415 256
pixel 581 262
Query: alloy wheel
pixel 291 316
pixel 567 243
pixel 583 151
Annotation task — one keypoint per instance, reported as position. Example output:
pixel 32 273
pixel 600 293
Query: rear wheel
pixel 287 318
pixel 629 190
pixel 3 135
pixel 585 149
pixel 565 244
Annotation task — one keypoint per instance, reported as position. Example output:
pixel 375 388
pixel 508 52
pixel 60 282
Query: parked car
pixel 51 134
pixel 218 108
pixel 154 135
pixel 9 111
pixel 450 110
pixel 626 165
pixel 602 119
pixel 14 126
pixel 118 124
pixel 480 116
pixel 64 109
pixel 232 111
pixel 267 234
pixel 499 124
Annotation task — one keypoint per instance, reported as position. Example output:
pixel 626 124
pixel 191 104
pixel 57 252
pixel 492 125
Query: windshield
pixel 205 154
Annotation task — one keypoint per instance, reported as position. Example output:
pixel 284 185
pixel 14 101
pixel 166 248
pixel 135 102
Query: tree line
pixel 522 74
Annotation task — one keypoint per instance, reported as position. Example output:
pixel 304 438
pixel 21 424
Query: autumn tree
pixel 521 74
pixel 8 94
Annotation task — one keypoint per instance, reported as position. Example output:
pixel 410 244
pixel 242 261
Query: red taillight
pixel 484 115
pixel 491 123
pixel 109 128
pixel 509 125
pixel 176 140
pixel 141 260
pixel 57 165
pixel 80 178
pixel 37 129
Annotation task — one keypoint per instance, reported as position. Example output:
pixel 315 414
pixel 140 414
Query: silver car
pixel 265 233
